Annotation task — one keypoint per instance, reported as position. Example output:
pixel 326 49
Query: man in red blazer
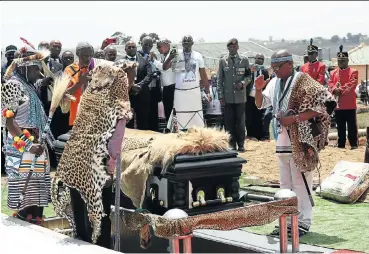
pixel 342 84
pixel 313 67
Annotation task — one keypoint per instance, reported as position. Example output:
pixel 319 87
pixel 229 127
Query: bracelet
pixel 7 113
pixel 297 118
pixel 23 142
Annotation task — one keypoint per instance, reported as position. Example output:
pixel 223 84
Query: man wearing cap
pixel 167 78
pixel 9 54
pixel 187 105
pixel 233 77
pixel 314 68
pixel 342 83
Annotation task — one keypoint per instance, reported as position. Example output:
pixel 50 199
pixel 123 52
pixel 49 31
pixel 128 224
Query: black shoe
pixel 233 147
pixel 275 232
pixel 241 149
pixel 354 147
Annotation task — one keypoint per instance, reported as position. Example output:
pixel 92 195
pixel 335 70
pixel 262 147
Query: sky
pixel 93 21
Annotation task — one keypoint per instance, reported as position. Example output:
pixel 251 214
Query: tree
pixel 121 38
pixel 283 40
pixel 349 36
pixel 201 40
pixel 335 39
pixel 304 41
pixel 154 36
pixel 344 40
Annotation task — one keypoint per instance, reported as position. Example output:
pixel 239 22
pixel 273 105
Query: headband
pixel 281 59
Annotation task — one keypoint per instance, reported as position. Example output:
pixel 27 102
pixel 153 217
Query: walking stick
pixel 61 84
pixel 117 204
pixel 308 189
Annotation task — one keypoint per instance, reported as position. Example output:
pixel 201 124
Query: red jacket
pixel 316 70
pixel 349 80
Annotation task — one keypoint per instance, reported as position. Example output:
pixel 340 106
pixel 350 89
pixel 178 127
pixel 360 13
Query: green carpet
pixel 48 211
pixel 335 226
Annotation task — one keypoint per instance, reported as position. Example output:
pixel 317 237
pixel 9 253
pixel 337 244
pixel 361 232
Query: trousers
pixel 254 119
pixel 234 121
pixel 343 117
pixel 291 178
pixel 83 225
pixel 267 118
pixel 168 98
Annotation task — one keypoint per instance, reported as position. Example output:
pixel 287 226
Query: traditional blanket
pixel 309 137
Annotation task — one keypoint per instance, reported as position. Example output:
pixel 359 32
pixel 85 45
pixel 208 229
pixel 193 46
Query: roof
pixel 212 52
pixel 358 55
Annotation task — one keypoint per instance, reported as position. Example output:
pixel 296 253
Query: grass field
pixel 336 226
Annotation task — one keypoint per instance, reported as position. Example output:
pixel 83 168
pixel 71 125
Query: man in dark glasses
pixel 67 58
pixel 313 67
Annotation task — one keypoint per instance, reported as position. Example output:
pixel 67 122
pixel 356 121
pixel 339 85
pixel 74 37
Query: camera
pixel 156 74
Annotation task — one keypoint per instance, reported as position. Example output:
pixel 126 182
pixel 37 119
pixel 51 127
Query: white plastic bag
pixel 347 182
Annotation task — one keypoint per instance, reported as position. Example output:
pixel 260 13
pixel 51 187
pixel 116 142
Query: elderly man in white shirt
pixel 167 78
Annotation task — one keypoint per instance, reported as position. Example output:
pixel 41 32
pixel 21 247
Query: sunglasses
pixel 277 68
pixel 259 58
pixel 186 41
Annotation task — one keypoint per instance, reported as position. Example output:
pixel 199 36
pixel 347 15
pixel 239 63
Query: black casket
pixel 196 184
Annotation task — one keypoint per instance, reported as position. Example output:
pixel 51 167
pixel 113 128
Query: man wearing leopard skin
pixel 87 164
pixel 301 124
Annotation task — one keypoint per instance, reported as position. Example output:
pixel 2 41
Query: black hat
pixel 233 41
pixel 10 48
pixel 341 54
pixel 311 47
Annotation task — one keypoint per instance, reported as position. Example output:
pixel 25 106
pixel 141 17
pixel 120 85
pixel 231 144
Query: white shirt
pixel 167 77
pixel 192 74
pixel 283 144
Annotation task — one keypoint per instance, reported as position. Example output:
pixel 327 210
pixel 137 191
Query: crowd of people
pixel 243 98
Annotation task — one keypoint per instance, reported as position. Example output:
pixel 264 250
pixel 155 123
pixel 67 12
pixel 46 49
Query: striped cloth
pixel 17 167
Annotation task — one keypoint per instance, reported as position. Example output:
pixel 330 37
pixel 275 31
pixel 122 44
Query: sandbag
pixel 347 182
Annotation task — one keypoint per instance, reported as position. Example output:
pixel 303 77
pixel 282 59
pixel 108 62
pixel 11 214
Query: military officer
pixel 342 83
pixel 314 68
pixel 233 76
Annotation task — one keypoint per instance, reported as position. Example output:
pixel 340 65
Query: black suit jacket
pixel 144 72
pixel 266 76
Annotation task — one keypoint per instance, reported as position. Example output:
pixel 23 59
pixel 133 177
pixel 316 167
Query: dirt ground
pixel 262 161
